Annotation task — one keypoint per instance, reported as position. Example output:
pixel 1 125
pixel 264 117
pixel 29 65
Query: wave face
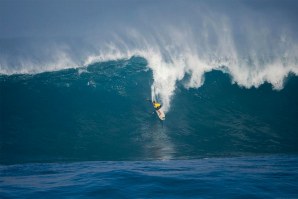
pixel 253 41
pixel 100 112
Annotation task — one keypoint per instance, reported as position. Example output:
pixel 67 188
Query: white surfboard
pixel 160 114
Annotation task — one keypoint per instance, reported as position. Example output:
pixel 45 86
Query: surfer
pixel 157 106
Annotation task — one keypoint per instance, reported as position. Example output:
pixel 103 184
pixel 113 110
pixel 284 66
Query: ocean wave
pixel 243 42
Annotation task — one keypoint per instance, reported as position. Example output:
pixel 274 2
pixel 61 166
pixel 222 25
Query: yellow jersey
pixel 156 105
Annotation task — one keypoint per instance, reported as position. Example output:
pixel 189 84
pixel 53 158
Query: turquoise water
pixel 100 113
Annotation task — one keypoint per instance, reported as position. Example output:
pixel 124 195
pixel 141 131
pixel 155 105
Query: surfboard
pixel 160 114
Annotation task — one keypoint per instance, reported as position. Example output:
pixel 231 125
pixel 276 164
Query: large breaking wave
pixel 254 42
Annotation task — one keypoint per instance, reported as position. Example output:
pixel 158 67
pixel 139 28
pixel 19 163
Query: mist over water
pixel 253 41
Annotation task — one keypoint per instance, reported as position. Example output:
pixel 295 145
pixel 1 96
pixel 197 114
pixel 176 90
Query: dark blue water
pixel 219 140
pixel 245 177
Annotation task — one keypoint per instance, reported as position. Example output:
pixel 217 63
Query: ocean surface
pixel 238 177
